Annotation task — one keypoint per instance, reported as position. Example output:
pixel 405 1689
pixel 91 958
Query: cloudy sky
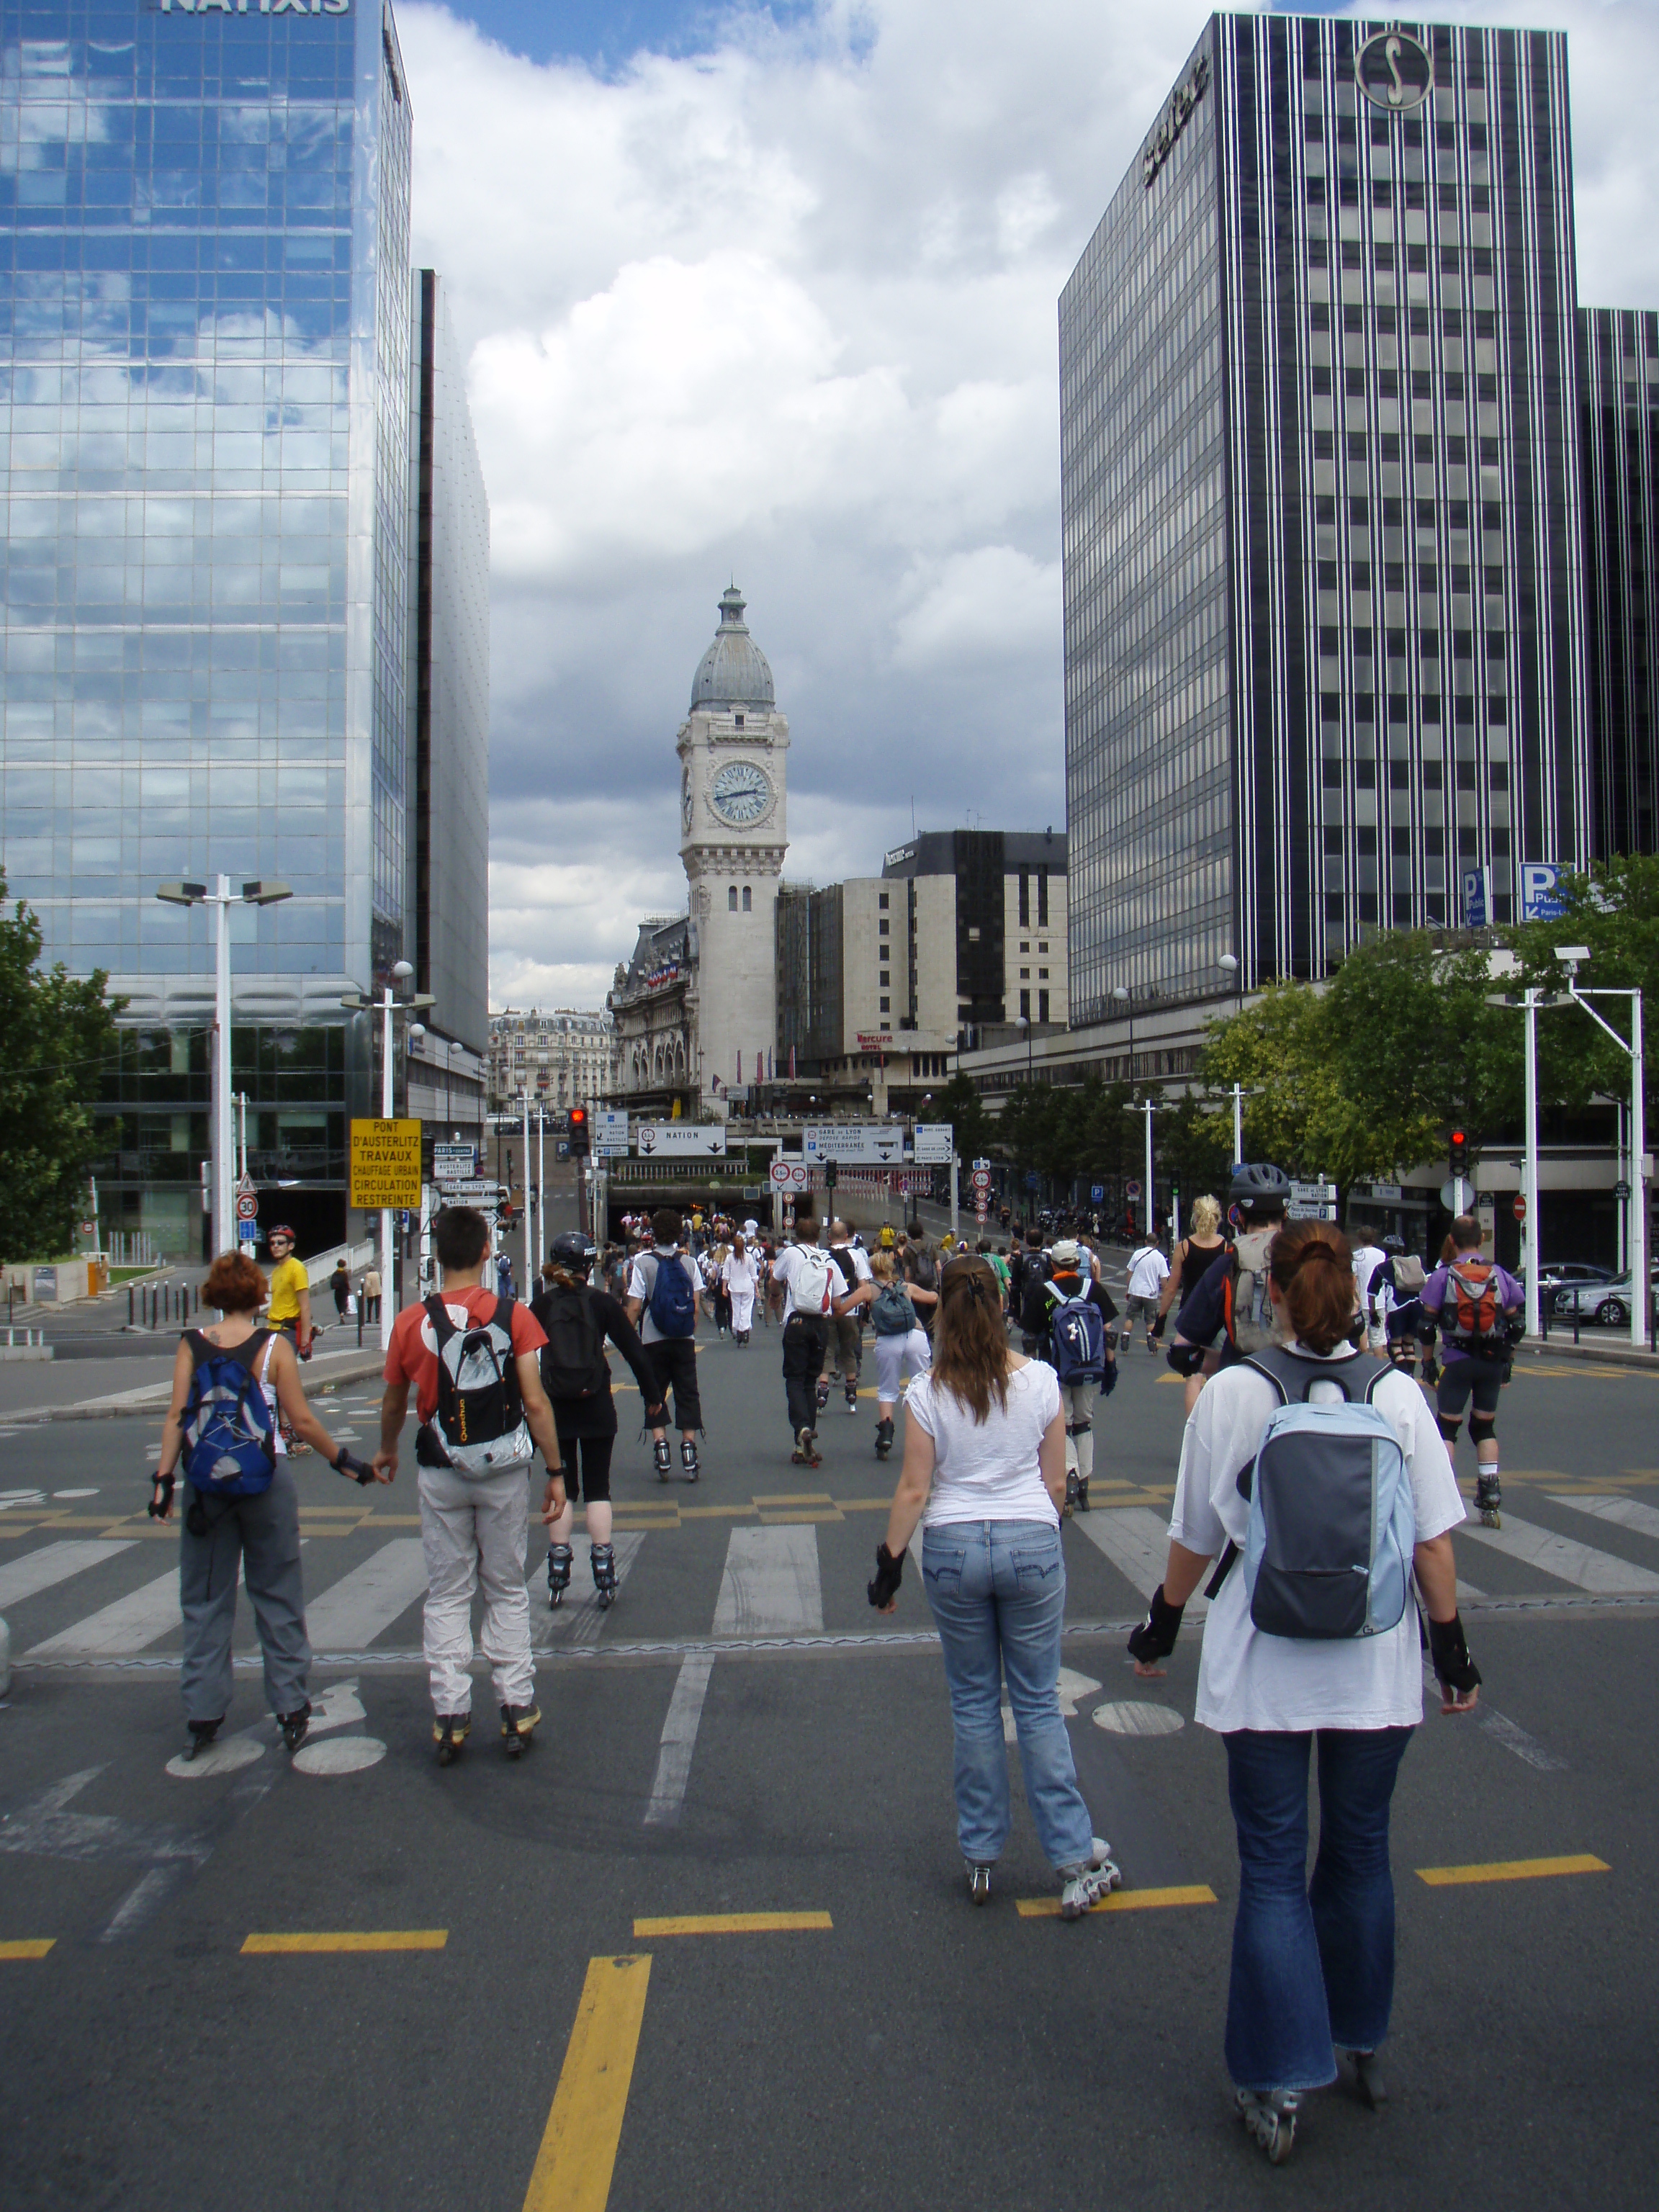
pixel 769 293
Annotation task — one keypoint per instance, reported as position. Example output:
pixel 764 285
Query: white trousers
pixel 473 1533
pixel 910 1354
pixel 743 1311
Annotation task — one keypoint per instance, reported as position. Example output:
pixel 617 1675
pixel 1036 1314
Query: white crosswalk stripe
pixel 1136 1540
pixel 1623 1512
pixel 53 1564
pixel 771 1585
pixel 357 1609
pixel 1581 1565
pixel 117 1631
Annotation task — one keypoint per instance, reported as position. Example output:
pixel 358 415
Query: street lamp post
pixel 1122 994
pixel 388 1004
pixel 1641 1292
pixel 221 898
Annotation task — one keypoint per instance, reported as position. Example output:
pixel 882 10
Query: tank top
pixel 1196 1262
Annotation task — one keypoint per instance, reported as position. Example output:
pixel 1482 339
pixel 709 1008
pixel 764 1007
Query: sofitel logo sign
pixel 257 7
pixel 1173 121
pixel 1395 72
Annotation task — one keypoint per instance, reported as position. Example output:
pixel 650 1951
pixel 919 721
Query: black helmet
pixel 1260 1184
pixel 573 1252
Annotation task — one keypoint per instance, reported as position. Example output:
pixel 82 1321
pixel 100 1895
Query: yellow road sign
pixel 386 1163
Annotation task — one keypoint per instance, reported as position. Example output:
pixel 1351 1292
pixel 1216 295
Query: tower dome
pixel 734 672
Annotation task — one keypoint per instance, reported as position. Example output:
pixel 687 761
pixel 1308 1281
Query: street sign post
pixel 1520 1206
pixel 935 1141
pixel 247 1207
pixel 610 1128
pixel 1457 1194
pixel 682 1140
pixel 385 1165
pixel 453 1162
pixel 1097 1192
pixel 1311 1201
pixel 857 1144
pixel 1131 1189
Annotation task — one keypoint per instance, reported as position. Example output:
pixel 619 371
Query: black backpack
pixel 843 1256
pixel 573 1359
pixel 921 1270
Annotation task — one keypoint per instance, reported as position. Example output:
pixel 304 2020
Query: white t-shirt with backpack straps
pixel 1248 1679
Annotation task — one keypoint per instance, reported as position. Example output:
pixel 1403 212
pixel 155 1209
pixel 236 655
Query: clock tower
pixel 732 748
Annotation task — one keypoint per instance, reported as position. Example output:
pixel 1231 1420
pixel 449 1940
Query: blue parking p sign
pixel 1097 1192
pixel 1540 899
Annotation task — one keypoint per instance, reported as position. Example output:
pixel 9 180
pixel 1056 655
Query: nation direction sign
pixel 935 1141
pixel 855 1143
pixel 385 1165
pixel 682 1140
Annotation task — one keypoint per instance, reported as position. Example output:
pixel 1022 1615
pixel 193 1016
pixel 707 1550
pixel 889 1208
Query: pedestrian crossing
pixel 765 1582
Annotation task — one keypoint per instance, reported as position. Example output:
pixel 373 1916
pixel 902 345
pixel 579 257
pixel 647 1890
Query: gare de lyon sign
pixel 1393 69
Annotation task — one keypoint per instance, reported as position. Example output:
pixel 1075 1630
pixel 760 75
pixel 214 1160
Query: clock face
pixel 741 793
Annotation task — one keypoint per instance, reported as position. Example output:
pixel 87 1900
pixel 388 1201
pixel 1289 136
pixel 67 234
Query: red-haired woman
pixel 1312 1962
pixel 243 1510
pixel 984 1475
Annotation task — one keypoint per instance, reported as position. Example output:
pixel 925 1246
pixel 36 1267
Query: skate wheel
pixel 1277 2147
pixel 1490 1517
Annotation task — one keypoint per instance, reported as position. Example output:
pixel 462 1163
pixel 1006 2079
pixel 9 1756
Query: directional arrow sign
pixel 677 1140
pixel 853 1144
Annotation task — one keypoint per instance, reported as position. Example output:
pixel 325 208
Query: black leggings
pixel 594 1482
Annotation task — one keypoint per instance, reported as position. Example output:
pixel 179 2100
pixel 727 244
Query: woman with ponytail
pixel 1312 1962
pixel 985 1475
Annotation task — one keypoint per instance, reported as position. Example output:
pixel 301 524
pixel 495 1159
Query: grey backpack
pixel 1333 1524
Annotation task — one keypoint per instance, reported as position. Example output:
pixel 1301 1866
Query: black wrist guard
pixel 1184 1359
pixel 1109 1378
pixel 1449 1657
pixel 1156 1329
pixel 164 1484
pixel 889 1573
pixel 1155 1639
pixel 345 1463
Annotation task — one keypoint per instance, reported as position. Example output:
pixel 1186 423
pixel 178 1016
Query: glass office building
pixel 1324 645
pixel 205 333
pixel 1618 357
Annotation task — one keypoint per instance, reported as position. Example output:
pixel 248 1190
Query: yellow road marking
pixel 29 1948
pixel 795 1497
pixel 813 1513
pixel 864 1505
pixel 1511 1870
pixel 733 1923
pixel 578 2153
pixel 365 1939
pixel 1121 1900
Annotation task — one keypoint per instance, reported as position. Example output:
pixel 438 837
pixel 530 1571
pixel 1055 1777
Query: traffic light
pixel 579 1144
pixel 1460 1155
pixel 829 1174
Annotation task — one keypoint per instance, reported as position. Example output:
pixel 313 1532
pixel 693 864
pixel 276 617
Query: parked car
pixel 1607 1302
pixel 1559 1273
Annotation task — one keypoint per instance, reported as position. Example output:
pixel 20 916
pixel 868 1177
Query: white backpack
pixel 811 1284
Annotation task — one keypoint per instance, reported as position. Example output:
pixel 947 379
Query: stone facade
pixel 560 1059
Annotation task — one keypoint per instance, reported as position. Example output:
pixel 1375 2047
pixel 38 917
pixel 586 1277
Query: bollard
pixel 130 1303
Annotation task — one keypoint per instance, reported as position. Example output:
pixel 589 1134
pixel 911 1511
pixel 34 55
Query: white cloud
pixel 787 311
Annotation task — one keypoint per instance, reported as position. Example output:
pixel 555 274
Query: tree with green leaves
pixel 57 1035
pixel 961 1105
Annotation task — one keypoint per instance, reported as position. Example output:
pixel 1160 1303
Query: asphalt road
pixel 899 2048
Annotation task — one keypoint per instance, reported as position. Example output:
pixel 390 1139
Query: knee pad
pixel 1483 1427
pixel 1449 1424
pixel 1079 1428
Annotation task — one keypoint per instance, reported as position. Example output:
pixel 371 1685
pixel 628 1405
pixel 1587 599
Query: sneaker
pixel 294 1726
pixel 518 1725
pixel 664 1457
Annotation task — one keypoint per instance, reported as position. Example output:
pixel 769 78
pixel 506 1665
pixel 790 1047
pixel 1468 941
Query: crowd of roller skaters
pixel 1305 1424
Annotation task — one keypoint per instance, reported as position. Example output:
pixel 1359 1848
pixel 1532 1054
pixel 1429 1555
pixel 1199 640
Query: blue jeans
pixel 998 1592
pixel 1313 1962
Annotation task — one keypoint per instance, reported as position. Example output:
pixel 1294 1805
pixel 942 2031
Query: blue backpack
pixel 673 1302
pixel 1077 1336
pixel 1327 1552
pixel 229 1437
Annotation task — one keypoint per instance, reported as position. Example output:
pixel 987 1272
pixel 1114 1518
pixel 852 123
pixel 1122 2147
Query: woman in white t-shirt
pixel 1312 1962
pixel 984 1475
pixel 741 1279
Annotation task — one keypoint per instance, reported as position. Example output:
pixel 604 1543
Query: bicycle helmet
pixel 573 1252
pixel 281 1229
pixel 1260 1183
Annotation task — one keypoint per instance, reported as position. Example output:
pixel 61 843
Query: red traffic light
pixel 580 1145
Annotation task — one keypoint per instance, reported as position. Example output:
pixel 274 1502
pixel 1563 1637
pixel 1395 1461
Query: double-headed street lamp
pixel 388 1004
pixel 221 898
